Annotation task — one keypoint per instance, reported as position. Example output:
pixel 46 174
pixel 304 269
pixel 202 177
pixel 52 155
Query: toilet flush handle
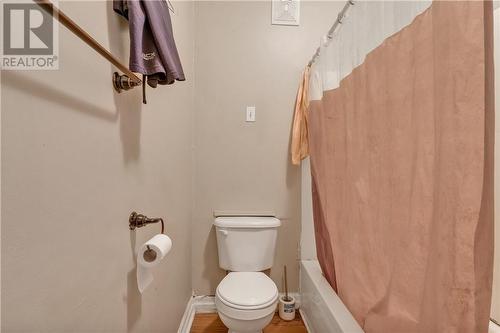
pixel 223 232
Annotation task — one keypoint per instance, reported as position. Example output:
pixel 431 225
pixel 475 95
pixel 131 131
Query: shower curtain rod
pixel 329 35
pixel 55 12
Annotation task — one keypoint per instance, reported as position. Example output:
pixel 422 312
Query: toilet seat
pixel 247 291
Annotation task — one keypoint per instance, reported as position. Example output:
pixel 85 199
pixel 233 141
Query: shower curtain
pixel 401 144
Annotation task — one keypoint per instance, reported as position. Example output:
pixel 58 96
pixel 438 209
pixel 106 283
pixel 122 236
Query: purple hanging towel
pixel 152 46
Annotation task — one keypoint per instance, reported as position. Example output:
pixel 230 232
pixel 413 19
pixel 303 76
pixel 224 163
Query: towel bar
pixel 120 82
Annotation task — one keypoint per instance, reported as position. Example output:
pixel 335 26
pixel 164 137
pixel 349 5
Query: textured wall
pixel 76 160
pixel 242 60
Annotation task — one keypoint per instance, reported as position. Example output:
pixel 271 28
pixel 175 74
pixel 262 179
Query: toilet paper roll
pixel 149 255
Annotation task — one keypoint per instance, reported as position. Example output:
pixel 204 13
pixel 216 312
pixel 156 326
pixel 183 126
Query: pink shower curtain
pixel 402 167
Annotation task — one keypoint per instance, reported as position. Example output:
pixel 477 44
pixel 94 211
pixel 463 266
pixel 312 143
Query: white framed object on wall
pixel 286 12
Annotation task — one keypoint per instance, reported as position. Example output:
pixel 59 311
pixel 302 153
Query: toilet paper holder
pixel 139 220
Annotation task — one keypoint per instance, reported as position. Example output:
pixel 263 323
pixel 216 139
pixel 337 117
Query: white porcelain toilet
pixel 246 298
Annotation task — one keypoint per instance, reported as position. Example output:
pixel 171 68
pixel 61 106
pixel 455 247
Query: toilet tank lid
pixel 247 222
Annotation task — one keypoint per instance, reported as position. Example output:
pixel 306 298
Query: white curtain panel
pixel 365 27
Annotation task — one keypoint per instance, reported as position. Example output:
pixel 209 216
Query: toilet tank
pixel 246 243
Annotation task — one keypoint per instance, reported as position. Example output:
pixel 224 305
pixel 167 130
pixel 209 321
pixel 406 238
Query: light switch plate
pixel 286 12
pixel 250 114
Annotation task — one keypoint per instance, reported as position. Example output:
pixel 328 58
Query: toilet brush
pixel 286 286
pixel 287 303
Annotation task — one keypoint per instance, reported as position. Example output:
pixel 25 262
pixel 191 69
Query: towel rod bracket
pixel 123 82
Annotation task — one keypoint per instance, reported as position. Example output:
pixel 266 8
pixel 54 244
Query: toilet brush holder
pixel 286 307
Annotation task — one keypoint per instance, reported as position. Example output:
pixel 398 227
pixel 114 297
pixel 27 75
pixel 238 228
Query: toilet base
pixel 246 326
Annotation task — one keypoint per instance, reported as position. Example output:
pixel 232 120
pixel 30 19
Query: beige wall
pixel 242 60
pixel 76 160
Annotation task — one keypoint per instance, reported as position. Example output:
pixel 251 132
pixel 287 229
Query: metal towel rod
pixel 120 82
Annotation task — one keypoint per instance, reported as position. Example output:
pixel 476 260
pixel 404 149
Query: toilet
pixel 246 298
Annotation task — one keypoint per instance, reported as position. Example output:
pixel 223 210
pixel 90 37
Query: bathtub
pixel 321 308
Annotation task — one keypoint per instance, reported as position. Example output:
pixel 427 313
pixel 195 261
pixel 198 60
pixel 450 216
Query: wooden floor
pixel 210 323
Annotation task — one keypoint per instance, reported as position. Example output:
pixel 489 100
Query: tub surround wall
pixel 76 160
pixel 307 237
pixel 242 60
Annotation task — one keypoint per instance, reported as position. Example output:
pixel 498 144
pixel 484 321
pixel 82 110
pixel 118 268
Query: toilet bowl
pixel 246 301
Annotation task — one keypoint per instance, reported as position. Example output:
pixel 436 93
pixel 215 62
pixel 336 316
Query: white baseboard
pixel 206 304
pixel 187 318
pixel 196 304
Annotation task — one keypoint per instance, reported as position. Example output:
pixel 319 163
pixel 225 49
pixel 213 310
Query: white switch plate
pixel 250 114
pixel 286 12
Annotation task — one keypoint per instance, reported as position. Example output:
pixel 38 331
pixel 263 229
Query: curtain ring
pixel 340 17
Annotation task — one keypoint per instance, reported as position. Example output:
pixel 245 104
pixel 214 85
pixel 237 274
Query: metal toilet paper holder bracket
pixel 139 220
